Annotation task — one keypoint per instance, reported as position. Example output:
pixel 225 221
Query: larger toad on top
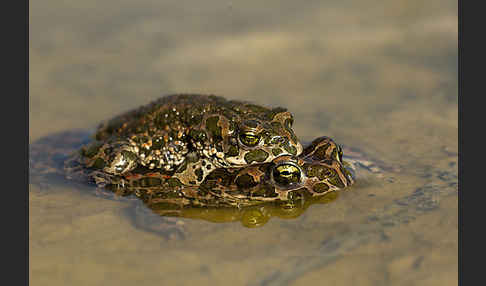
pixel 191 135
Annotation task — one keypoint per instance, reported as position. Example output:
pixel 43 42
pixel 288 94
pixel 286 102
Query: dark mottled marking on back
pixel 245 181
pixel 276 151
pixel 256 156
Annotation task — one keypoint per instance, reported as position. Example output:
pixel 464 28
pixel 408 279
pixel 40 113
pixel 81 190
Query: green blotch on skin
pixel 98 164
pixel 256 156
pixel 320 153
pixel 232 151
pixel 245 181
pixel 336 181
pixel 318 171
pixel 320 188
pixel 213 128
pixel 276 151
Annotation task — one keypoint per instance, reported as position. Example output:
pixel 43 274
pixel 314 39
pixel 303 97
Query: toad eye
pixel 286 174
pixel 249 139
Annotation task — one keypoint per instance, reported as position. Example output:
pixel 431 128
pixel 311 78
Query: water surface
pixel 379 76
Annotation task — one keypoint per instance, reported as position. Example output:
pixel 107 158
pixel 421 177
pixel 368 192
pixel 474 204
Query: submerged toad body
pixel 285 183
pixel 190 136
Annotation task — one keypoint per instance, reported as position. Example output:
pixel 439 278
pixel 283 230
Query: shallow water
pixel 379 76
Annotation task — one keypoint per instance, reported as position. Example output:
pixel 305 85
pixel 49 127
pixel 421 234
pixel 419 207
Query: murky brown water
pixel 378 75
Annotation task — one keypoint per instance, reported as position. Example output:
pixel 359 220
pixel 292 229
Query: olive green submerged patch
pixel 164 206
pixel 245 181
pixel 256 156
pixel 320 188
pixel 150 182
pixel 254 218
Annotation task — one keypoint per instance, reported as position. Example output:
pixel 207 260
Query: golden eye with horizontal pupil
pixel 249 139
pixel 286 174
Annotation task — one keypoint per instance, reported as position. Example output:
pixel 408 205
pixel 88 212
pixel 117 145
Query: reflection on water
pixel 249 216
pixel 380 76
